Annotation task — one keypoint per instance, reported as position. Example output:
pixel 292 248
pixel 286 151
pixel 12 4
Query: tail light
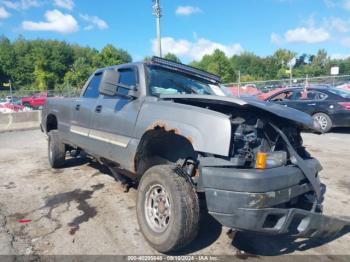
pixel 346 105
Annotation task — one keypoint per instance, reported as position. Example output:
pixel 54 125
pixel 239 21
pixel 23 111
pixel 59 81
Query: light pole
pixel 157 12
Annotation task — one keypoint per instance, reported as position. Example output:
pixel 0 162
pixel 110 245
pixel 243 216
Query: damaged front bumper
pixel 284 201
pixel 299 222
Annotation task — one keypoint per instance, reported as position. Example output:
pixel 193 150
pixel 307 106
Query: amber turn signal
pixel 260 160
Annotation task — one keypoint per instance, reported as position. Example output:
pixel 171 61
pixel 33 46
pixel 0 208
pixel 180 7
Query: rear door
pixel 310 101
pixel 115 118
pixel 83 109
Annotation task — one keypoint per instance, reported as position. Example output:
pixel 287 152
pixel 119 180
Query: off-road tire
pixel 327 120
pixel 56 150
pixel 184 207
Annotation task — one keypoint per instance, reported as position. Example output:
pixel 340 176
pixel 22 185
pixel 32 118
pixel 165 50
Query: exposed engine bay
pixel 253 132
pixel 251 135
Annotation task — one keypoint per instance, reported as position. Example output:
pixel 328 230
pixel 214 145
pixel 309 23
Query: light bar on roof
pixel 189 69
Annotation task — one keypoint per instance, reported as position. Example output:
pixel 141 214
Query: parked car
pixel 329 106
pixel 11 104
pixel 159 124
pixel 36 101
pixel 7 107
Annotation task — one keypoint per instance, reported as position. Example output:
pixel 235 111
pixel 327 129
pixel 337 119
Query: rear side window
pixel 92 91
pixel 312 95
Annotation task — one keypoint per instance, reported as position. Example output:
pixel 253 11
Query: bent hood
pixel 291 114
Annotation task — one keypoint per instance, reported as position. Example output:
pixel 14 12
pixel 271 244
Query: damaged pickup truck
pixel 159 124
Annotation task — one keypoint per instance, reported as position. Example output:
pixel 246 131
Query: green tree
pixel 216 63
pixel 172 57
pixel 110 56
pixel 78 73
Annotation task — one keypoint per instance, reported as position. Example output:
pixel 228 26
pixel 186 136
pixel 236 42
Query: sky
pixel 190 28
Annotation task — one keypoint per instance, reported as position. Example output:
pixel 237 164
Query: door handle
pixel 77 107
pixel 98 109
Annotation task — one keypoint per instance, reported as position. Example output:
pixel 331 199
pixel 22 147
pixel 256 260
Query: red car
pixel 35 101
pixel 10 107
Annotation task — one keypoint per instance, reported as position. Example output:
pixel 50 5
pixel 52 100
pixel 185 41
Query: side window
pixel 127 77
pixel 92 91
pixel 313 96
pixel 283 96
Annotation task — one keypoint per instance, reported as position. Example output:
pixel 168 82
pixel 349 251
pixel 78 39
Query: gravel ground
pixel 82 210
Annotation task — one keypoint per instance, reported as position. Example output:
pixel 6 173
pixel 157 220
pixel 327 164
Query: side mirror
pixel 126 90
pixel 109 82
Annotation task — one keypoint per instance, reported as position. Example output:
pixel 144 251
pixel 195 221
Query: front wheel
pixel 167 209
pixel 56 150
pixel 324 120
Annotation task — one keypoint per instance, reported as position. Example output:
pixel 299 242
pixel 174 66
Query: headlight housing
pixel 270 160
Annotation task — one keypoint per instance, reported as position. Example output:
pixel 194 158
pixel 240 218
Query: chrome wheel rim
pixel 157 208
pixel 322 121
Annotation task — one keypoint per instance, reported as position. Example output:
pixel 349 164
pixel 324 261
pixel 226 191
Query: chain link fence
pixel 255 88
pixel 23 92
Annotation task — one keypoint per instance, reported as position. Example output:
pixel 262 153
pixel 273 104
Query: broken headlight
pixel 270 160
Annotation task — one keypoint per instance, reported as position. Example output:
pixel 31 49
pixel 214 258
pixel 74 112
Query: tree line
pixel 54 65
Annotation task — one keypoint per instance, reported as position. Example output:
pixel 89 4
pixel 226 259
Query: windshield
pixel 340 92
pixel 163 81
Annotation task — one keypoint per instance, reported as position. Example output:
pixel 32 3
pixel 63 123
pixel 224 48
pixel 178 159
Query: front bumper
pixel 301 223
pixel 273 201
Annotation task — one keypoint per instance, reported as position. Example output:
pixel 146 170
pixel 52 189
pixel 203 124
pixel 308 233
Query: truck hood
pixel 296 116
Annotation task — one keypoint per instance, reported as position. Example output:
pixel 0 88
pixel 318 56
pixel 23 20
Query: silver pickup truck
pixel 160 124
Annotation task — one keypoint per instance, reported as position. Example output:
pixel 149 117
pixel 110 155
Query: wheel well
pixel 159 147
pixel 51 123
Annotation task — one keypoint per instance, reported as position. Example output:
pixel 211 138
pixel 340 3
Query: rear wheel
pixel 324 120
pixel 167 209
pixel 56 150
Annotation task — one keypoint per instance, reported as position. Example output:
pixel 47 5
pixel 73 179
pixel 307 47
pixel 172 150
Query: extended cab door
pixel 114 119
pixel 83 109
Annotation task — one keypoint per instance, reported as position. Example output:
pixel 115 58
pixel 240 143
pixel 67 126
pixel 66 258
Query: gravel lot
pixel 82 210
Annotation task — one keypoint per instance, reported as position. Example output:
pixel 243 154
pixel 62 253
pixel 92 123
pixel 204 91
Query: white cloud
pixel 187 10
pixel 22 4
pixel 338 24
pixel 346 4
pixel 195 50
pixel 3 13
pixel 66 4
pixel 55 22
pixel 276 39
pixel 94 21
pixel 340 56
pixel 345 42
pixel 307 35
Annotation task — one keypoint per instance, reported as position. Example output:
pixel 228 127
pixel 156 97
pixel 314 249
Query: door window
pixel 284 96
pixel 312 96
pixel 92 91
pixel 126 77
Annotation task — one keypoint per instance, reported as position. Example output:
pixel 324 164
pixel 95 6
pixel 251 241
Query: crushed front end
pixel 269 183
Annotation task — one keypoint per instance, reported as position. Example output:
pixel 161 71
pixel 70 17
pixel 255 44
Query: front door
pixel 114 120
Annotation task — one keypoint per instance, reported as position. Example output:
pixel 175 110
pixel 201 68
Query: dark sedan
pixel 329 106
